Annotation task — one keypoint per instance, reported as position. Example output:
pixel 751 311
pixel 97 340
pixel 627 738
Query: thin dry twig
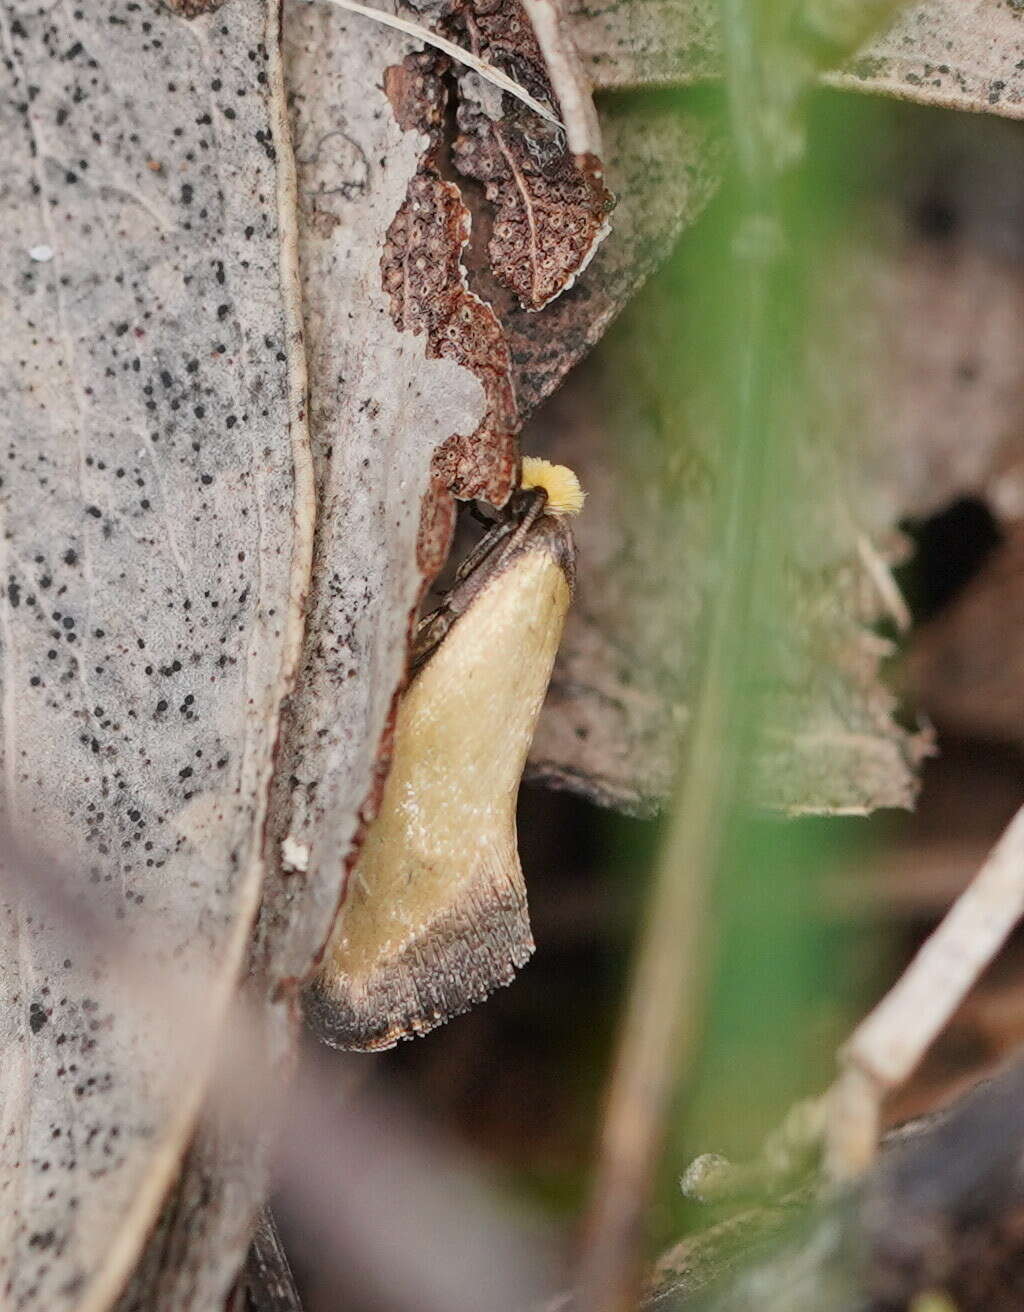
pixel 887 1046
pixel 568 79
pixel 480 66
pixel 657 1033
pixel 886 586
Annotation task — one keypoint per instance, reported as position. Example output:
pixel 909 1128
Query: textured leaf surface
pixel 927 316
pixel 152 540
pixel 887 441
pixel 378 409
pixel 618 704
pixel 662 165
pixel 965 54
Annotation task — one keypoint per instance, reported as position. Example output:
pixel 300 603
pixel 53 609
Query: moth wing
pixel 435 916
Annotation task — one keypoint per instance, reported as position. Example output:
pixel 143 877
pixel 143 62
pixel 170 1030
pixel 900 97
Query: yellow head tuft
pixel 565 496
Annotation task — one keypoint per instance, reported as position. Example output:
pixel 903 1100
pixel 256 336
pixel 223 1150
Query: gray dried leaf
pixel 932 335
pixel 618 703
pixel 941 52
pixel 645 42
pixel 953 291
pixel 944 52
pixel 155 542
pixel 194 1251
pixel 378 409
pixel 966 282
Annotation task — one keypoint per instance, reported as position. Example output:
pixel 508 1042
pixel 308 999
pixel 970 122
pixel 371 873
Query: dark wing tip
pixel 470 948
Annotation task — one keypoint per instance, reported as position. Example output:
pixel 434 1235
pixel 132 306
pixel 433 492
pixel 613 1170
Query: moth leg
pixel 521 514
pixel 503 539
pixel 497 533
pixel 531 503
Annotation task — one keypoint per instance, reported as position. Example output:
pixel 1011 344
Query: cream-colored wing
pixel 435 914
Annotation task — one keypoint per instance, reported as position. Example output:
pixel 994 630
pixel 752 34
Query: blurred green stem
pixel 663 1012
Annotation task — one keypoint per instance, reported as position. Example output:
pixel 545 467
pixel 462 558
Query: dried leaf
pixel 155 526
pixel 964 54
pixel 947 52
pixel 951 292
pixel 942 252
pixel 645 42
pixel 549 205
pixel 376 404
pixel 618 700
pixel 663 167
pixel 617 706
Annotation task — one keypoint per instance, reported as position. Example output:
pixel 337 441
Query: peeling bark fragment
pixel 437 527
pixel 422 273
pixel 415 89
pixel 550 206
pixel 645 42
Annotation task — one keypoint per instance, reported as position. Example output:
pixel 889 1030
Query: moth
pixel 435 915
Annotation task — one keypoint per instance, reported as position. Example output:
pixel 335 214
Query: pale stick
pixel 890 1042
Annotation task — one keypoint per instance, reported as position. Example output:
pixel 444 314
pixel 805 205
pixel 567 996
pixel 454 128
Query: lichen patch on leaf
pixel 422 273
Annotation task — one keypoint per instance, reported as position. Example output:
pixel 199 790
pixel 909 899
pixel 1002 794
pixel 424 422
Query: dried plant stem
pixel 568 78
pixel 657 1035
pixel 664 1005
pixel 887 1046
